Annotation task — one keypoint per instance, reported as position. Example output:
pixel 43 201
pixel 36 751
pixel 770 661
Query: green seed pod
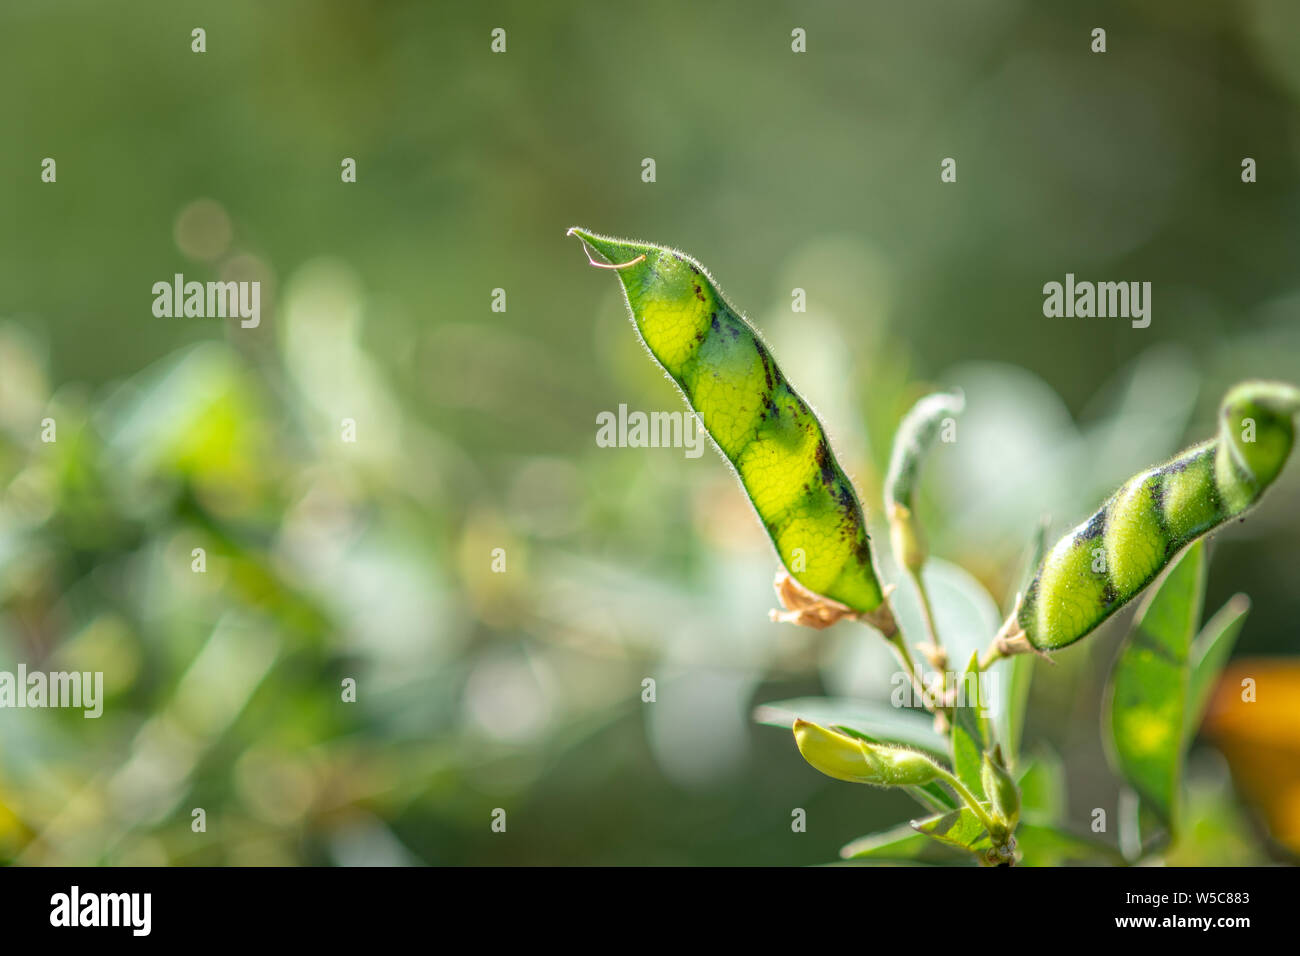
pixel 1105 562
pixel 857 761
pixel 1001 791
pixel 762 426
pixel 916 434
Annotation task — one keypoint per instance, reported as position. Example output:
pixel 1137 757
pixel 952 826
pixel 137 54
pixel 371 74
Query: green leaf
pixel 876 722
pixel 1210 652
pixel 1042 786
pixel 900 843
pixel 1149 697
pixel 1044 844
pixel 967 738
pixel 1010 718
pixel 959 828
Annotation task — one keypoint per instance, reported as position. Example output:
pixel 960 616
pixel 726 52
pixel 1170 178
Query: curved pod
pixel 761 425
pixel 1108 559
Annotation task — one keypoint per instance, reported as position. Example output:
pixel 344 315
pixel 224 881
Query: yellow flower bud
pixel 857 761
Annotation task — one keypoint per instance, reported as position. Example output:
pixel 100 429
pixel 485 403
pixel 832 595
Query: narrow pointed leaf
pixel 1019 672
pixel 1042 786
pixel 959 828
pixel 966 737
pixel 1045 844
pixel 876 722
pixel 1210 652
pixel 1149 687
pixel 900 843
pixel 1011 727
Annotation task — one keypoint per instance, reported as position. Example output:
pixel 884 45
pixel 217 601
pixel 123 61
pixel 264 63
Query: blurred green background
pixel 476 429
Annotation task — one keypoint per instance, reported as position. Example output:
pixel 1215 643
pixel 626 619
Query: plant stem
pixel 969 799
pixel 927 613
pixel 905 658
pixel 937 658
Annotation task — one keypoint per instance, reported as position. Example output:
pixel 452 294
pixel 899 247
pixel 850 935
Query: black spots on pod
pixel 1095 528
pixel 1177 466
pixel 836 484
pixel 767 366
pixel 1160 512
pixel 770 409
pixel 774 442
pixel 1156 489
pixel 686 262
pixel 844 497
pixel 1156 492
pixel 824 465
